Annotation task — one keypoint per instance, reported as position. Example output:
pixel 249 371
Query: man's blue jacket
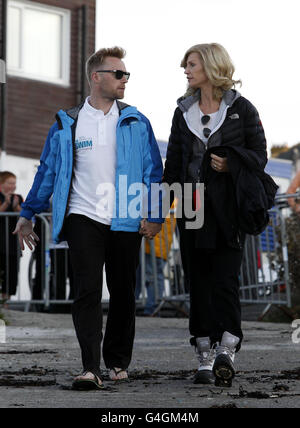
pixel 138 161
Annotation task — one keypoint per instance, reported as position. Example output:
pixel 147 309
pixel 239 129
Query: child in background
pixel 9 249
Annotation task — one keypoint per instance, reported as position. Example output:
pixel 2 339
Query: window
pixel 38 42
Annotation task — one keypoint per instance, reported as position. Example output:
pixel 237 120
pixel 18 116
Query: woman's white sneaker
pixel 206 356
pixel 223 368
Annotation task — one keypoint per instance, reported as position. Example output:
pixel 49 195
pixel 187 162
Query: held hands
pixel 6 203
pixel 7 199
pixel 10 198
pixel 16 206
pixel 24 230
pixel 148 229
pixel 218 164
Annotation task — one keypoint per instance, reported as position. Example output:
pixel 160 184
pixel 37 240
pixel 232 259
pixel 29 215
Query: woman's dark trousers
pixel 214 288
pixel 93 244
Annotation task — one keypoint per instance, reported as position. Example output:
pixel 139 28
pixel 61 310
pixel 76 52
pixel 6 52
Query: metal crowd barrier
pixel 264 275
pixel 45 277
pixel 45 274
pixel 161 262
pixel 9 252
pixel 21 265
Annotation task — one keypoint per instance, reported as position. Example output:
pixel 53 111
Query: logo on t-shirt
pixel 83 143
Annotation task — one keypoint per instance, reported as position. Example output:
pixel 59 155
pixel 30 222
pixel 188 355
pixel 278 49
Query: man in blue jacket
pixel 95 155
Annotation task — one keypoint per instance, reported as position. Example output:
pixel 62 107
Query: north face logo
pixel 234 116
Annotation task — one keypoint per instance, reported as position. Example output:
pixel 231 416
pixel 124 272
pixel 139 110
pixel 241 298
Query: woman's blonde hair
pixel 217 65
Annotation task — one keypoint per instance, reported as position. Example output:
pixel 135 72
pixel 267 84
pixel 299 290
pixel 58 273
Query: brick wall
pixel 31 104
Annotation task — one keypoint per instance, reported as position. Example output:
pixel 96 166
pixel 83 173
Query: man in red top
pixel 294 186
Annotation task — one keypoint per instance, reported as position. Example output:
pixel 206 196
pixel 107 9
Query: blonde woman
pixel 217 139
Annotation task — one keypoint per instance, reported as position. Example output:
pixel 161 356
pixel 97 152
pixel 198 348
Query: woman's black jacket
pixel 236 202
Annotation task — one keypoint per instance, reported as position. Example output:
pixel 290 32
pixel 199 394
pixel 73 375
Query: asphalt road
pixel 41 356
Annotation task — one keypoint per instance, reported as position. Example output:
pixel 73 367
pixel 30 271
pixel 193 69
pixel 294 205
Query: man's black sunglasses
pixel 118 73
pixel 204 120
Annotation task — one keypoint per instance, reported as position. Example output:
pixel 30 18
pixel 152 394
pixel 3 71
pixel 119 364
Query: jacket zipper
pixel 73 128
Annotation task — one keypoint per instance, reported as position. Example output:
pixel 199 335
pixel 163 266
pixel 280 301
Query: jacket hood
pixel 229 98
pixel 67 117
pixel 190 108
pixel 74 111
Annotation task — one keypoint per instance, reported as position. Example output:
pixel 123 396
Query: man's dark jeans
pixel 93 244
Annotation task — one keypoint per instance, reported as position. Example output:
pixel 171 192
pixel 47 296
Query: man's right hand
pixel 149 230
pixel 24 230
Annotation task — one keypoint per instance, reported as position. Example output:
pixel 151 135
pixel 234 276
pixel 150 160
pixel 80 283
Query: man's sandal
pixel 114 375
pixel 87 381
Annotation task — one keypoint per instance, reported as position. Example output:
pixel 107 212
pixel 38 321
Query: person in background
pixel 162 245
pixel 94 153
pixel 9 202
pixel 217 139
pixel 292 189
pixel 60 271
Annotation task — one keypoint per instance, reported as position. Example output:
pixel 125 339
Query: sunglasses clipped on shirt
pixel 204 120
pixel 118 73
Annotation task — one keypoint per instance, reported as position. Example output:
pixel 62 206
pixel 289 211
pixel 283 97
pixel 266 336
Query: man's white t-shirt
pixel 93 184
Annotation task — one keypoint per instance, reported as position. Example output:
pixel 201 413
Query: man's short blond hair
pixel 98 58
